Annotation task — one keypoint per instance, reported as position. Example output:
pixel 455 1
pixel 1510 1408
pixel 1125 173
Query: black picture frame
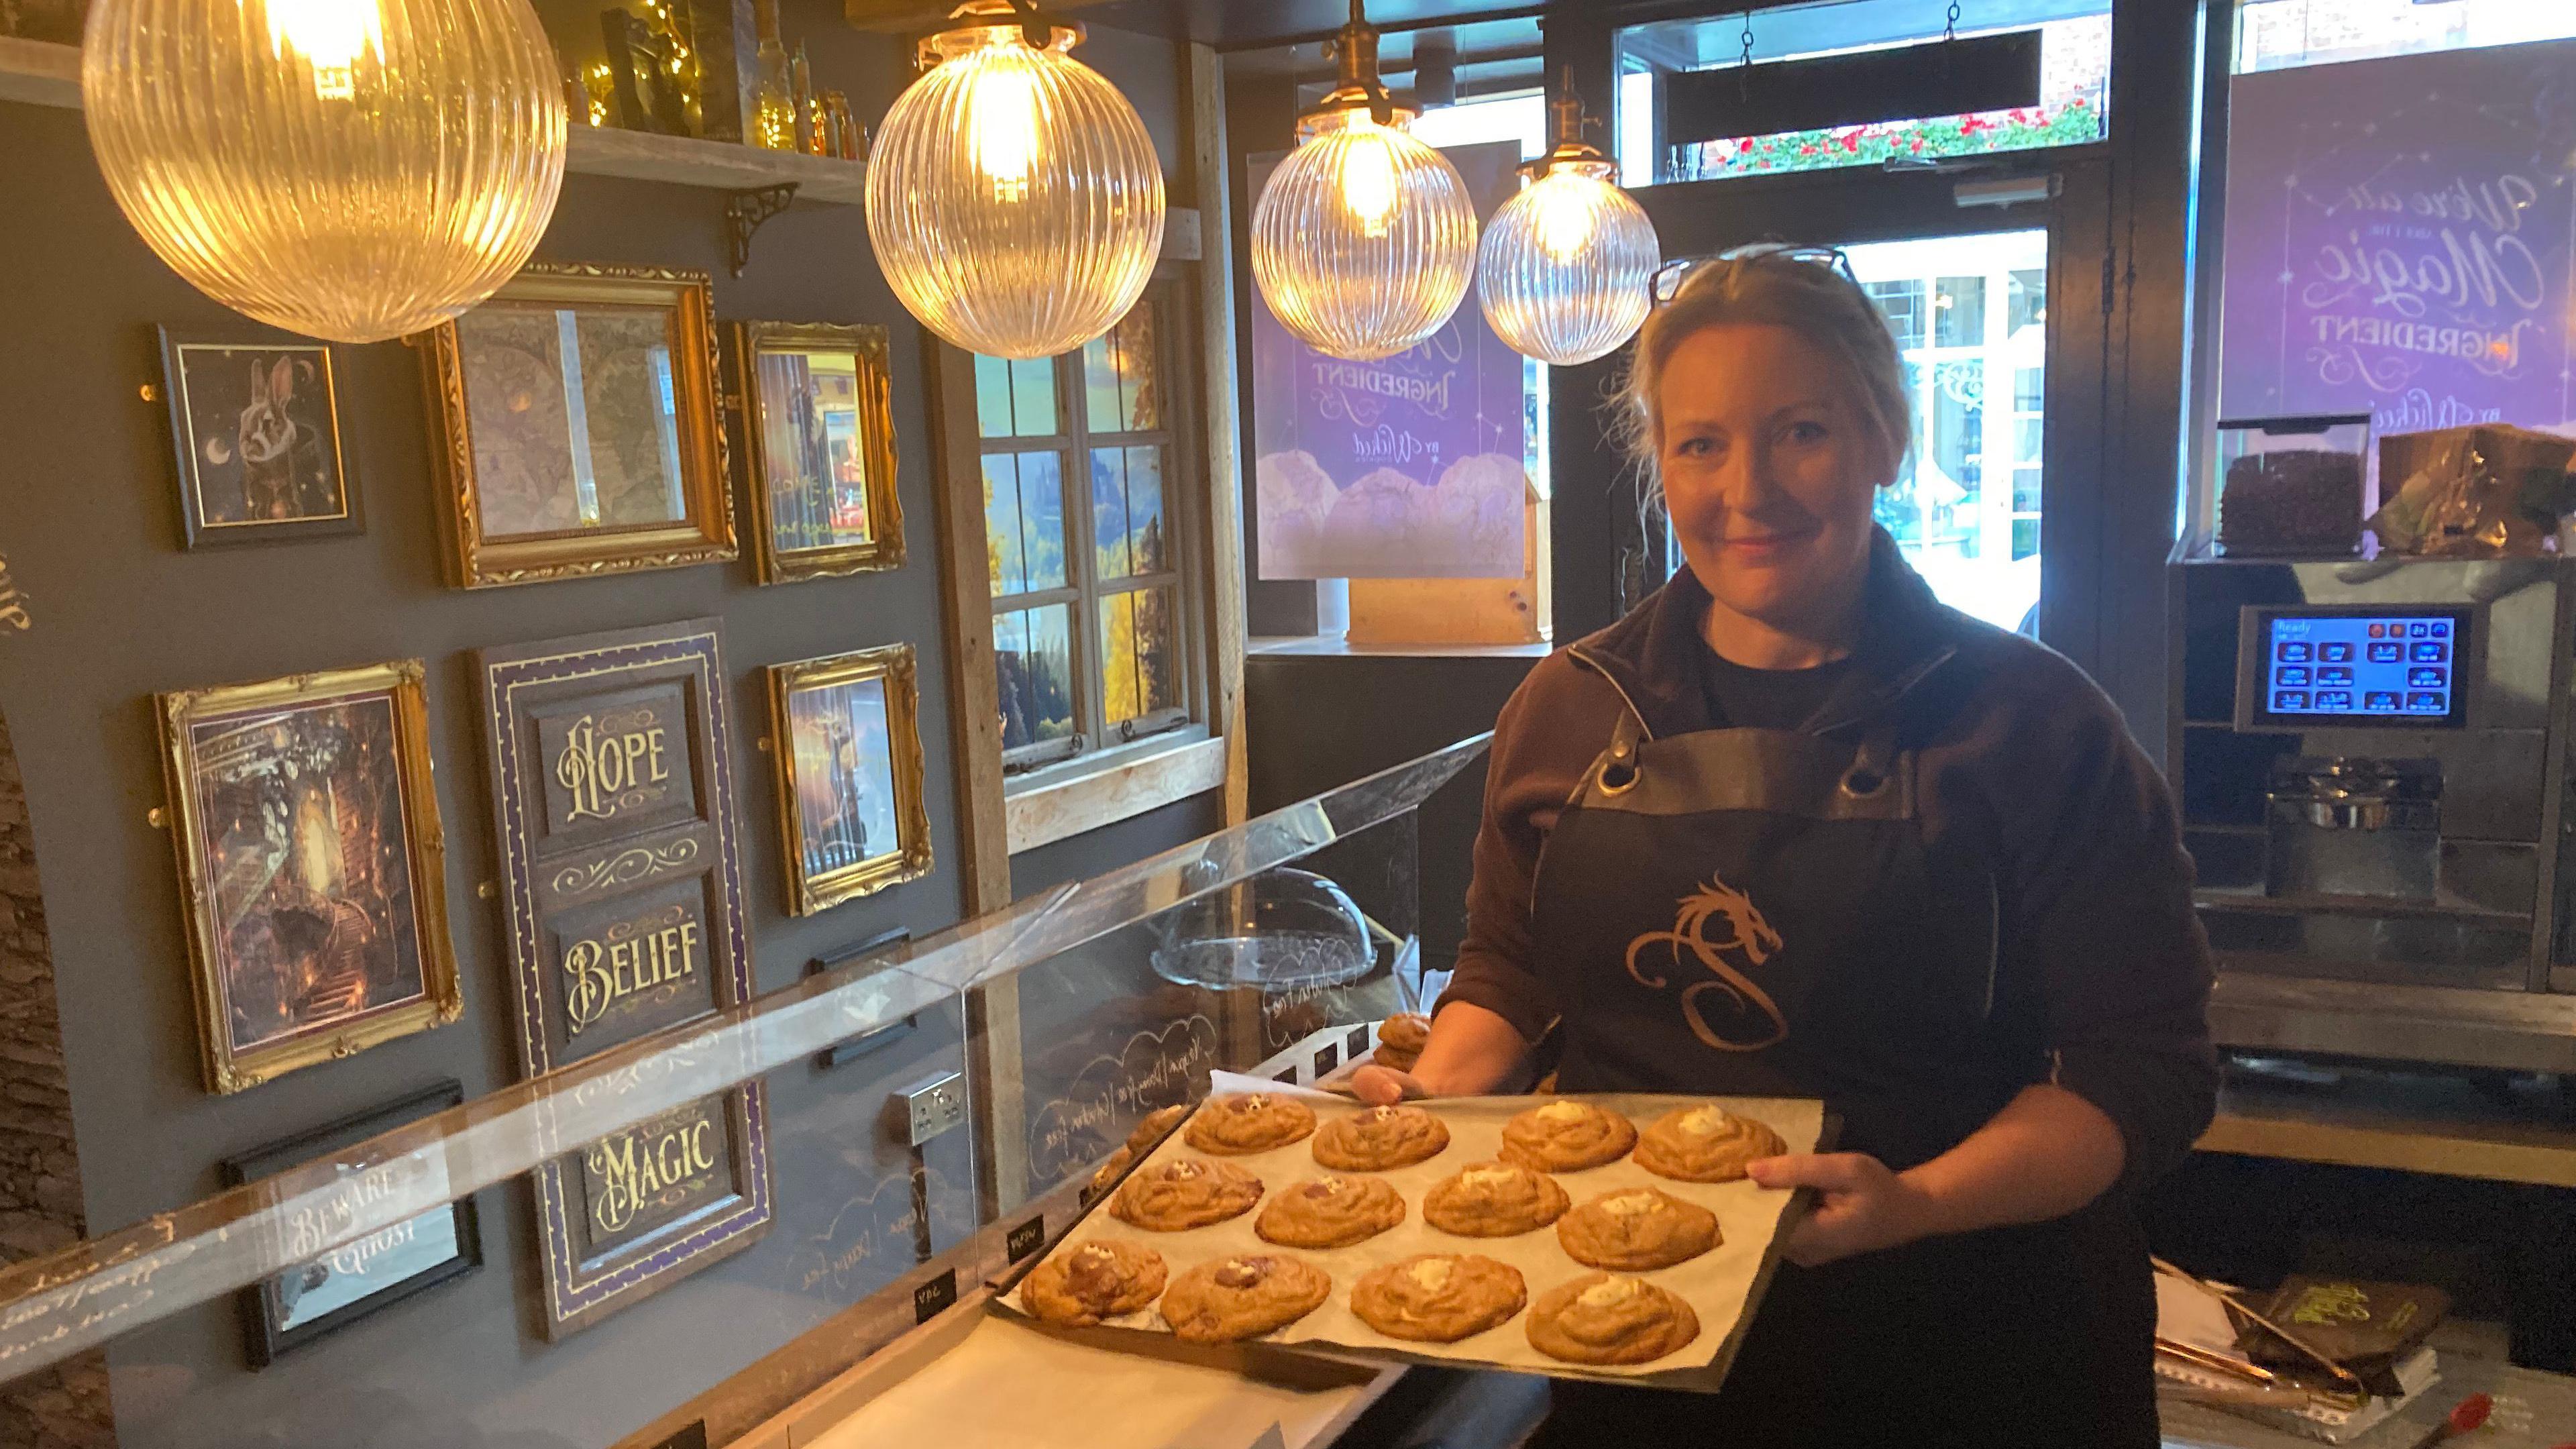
pixel 265 1336
pixel 198 380
pixel 852 1048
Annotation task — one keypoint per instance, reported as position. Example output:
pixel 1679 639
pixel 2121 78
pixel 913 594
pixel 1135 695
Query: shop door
pixel 1999 322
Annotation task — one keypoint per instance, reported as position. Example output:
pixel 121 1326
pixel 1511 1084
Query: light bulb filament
pixel 1004 112
pixel 1564 217
pixel 330 36
pixel 1368 176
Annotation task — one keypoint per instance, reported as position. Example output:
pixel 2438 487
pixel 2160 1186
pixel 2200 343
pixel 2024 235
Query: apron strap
pixel 1874 764
pixel 1619 766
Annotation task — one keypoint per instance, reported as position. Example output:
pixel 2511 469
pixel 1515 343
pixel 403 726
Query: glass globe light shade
pixel 1567 266
pixel 1364 238
pixel 348 169
pixel 1013 196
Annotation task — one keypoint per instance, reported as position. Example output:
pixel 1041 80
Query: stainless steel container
pixel 2354 826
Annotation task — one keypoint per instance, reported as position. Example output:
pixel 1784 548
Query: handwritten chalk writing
pixel 640 1170
pixel 605 770
pixel 601 972
pixel 1112 1090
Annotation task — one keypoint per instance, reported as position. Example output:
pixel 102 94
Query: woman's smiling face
pixel 1769 469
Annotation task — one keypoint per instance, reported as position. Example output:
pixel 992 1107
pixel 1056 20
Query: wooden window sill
pixel 1065 800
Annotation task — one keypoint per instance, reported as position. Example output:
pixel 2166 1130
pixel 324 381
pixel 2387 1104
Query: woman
pixel 1794 828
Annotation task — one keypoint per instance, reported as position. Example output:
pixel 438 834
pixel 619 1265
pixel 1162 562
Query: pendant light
pixel 348 169
pixel 1567 264
pixel 1364 239
pixel 1013 196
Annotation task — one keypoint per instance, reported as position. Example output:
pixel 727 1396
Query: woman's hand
pixel 1861 1206
pixel 1385 1086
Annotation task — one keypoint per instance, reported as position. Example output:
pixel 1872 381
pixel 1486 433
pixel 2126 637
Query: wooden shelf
pixel 42 73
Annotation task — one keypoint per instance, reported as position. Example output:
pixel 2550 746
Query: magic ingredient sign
pixel 2400 235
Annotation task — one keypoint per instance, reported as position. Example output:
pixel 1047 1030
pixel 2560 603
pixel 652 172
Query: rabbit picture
pixel 263 452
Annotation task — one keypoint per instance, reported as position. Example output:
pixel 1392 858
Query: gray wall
pixel 88 524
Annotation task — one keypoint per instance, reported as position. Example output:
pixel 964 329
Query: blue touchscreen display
pixel 2365 668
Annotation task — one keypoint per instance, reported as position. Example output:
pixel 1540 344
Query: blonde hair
pixel 1783 287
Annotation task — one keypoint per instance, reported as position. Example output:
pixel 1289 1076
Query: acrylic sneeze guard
pixel 1051 1011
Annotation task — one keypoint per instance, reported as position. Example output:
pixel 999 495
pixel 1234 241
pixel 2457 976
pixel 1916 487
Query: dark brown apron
pixel 1753 912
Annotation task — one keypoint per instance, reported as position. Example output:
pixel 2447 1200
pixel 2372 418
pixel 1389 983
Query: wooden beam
pixel 1074 799
pixel 1223 515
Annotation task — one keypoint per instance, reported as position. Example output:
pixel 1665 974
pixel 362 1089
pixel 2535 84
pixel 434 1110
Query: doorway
pixel 2002 338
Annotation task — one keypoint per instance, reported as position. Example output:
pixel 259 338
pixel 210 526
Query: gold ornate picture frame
pixel 818 446
pixel 582 433
pixel 314 870
pixel 845 748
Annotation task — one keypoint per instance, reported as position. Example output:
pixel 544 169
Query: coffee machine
pixel 2371 756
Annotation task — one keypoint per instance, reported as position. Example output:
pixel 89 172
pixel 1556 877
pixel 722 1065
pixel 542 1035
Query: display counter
pixel 950 1099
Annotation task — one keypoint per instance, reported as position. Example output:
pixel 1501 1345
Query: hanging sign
pixel 2398 239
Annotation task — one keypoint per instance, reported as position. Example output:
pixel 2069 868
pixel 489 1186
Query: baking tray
pixel 1723 1286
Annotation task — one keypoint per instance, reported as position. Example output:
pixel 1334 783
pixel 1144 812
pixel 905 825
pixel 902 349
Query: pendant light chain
pixel 1744 68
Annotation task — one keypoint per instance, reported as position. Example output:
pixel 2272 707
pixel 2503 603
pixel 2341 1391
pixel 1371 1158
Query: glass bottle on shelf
pixel 773 103
pixel 848 141
pixel 809 106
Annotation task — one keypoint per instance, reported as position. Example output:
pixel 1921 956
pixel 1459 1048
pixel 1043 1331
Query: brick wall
pixel 65 1407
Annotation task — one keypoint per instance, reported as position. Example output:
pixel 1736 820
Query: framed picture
pixel 847 750
pixel 313 867
pixel 582 438
pixel 621 876
pixel 255 424
pixel 819 441
pixel 337 1288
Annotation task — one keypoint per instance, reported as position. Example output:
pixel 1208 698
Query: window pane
pixel 1118 658
pixel 2279 34
pixel 1158 652
pixel 1034 654
pixel 1959 312
pixel 1109 512
pixel 1121 391
pixel 1901 303
pixel 992 397
pixel 1145 510
pixel 1139 654
pixel 2029 293
pixel 1002 523
pixel 1033 397
pixel 1663 64
pixel 1042 519
pixel 1977 545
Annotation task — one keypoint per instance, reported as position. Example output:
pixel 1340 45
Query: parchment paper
pixel 1717 1284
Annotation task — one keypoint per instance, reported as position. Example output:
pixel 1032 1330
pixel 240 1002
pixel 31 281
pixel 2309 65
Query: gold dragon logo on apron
pixel 1747 942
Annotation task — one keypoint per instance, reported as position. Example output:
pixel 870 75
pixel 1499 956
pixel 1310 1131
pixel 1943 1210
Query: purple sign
pixel 2398 239
pixel 1408 467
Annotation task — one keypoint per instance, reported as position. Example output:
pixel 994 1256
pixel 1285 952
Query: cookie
pixel 1400 1038
pixel 1170 1196
pixel 1380 1138
pixel 1637 1228
pixel 1156 1126
pixel 1149 1133
pixel 1494 1200
pixel 1095 1281
pixel 1105 1176
pixel 1243 1296
pixel 1254 1122
pixel 1330 1212
pixel 1567 1136
pixel 1438 1297
pixel 1705 1144
pixel 1603 1319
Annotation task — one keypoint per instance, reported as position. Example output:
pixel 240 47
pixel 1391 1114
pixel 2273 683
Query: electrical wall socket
pixel 933 1105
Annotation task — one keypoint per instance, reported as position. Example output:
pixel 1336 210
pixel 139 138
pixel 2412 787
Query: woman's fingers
pixel 1384 1086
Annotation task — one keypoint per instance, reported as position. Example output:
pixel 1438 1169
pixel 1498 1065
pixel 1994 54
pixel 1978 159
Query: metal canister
pixel 2354 826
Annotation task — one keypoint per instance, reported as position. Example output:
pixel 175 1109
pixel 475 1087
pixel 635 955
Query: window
pixel 1656 59
pixel 1081 483
pixel 2397 220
